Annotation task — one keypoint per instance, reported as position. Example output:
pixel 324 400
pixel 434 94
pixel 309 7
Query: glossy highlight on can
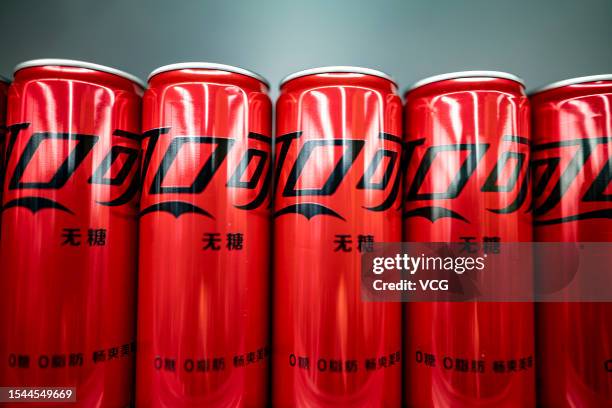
pixel 337 192
pixel 4 87
pixel 69 231
pixel 203 317
pixel 572 153
pixel 467 181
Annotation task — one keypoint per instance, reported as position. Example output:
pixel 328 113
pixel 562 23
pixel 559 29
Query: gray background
pixel 541 41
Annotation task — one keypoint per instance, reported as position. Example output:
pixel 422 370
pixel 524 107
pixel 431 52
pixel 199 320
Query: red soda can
pixel 337 192
pixel 467 141
pixel 4 87
pixel 572 156
pixel 68 255
pixel 203 317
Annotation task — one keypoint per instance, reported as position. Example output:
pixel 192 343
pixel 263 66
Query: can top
pixel 337 69
pixel 464 74
pixel 79 64
pixel 209 65
pixel 572 81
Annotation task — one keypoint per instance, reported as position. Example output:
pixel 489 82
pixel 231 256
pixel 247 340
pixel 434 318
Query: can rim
pixel 208 65
pixel 346 69
pixel 60 62
pixel 572 81
pixel 464 74
pixel 5 79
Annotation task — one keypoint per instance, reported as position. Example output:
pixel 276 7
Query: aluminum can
pixel 203 316
pixel 337 193
pixel 68 255
pixel 572 153
pixel 467 155
pixel 4 87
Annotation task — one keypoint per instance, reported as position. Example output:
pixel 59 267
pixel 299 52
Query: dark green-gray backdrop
pixel 541 41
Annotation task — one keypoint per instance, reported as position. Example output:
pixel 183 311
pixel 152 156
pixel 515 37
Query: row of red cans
pixel 185 191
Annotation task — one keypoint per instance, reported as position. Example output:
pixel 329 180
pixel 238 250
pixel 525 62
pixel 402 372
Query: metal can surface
pixel 467 141
pixel 68 254
pixel 337 192
pixel 4 87
pixel 203 317
pixel 572 134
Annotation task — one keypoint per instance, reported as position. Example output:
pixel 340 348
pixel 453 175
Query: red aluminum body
pixel 572 153
pixel 203 320
pixel 69 233
pixel 467 180
pixel 337 188
pixel 4 87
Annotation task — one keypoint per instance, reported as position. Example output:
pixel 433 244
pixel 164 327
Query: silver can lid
pixel 337 69
pixel 572 81
pixel 209 65
pixel 79 64
pixel 464 74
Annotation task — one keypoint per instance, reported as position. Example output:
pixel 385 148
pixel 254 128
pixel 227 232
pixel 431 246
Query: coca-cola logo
pixel 512 154
pixel 386 159
pixel 251 172
pixel 584 173
pixel 82 147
